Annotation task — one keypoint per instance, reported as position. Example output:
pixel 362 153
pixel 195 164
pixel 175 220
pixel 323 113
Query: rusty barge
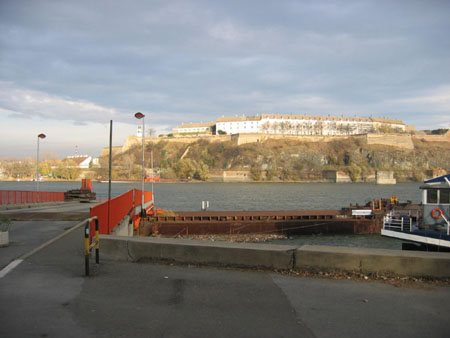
pixel 285 222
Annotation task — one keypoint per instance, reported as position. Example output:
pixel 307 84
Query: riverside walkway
pixel 47 295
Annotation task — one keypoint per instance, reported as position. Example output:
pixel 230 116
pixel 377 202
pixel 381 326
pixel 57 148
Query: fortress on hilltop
pixel 290 124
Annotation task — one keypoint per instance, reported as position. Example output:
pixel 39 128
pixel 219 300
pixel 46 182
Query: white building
pixel 305 124
pixel 81 161
pixel 195 128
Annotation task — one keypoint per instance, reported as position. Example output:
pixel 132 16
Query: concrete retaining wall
pixel 405 263
pixel 125 228
pixel 197 252
pixel 318 258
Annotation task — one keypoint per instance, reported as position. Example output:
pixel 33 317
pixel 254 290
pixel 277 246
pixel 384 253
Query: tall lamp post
pixel 40 136
pixel 139 116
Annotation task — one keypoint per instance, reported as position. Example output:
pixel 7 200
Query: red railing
pixel 23 197
pixel 111 213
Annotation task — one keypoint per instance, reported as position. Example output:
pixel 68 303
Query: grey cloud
pixel 202 59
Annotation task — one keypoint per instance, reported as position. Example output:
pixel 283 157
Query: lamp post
pixel 139 116
pixel 37 161
pixel 152 178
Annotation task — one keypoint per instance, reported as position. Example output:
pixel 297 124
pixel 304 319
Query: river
pixel 258 196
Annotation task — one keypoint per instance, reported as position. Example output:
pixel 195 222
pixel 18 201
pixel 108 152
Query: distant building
pixel 195 128
pixel 81 161
pixel 139 131
pixel 306 124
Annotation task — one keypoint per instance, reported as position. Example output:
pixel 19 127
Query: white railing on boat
pixel 398 223
pixel 448 224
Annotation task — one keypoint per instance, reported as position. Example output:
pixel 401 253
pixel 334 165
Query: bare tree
pixel 265 127
pixel 151 132
pixel 128 164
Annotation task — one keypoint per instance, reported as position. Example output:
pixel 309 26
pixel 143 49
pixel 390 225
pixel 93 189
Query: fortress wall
pixel 253 138
pixel 394 140
pixel 434 138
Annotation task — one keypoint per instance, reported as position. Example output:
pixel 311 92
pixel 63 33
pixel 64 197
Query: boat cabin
pixel 436 201
pixel 432 231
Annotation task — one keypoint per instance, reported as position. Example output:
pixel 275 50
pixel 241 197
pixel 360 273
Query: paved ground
pixel 48 296
pixel 68 211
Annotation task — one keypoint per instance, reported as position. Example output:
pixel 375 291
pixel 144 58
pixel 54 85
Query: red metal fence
pixel 22 197
pixel 111 213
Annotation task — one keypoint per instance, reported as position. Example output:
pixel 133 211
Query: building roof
pixel 196 125
pixel 77 159
pixel 239 118
pixel 307 117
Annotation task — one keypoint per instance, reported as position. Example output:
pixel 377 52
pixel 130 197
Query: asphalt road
pixel 48 296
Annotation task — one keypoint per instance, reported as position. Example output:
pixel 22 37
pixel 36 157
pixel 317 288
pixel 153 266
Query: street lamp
pixel 152 178
pixel 37 162
pixel 139 116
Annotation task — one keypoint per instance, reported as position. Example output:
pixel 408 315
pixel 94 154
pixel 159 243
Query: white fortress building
pixel 293 125
pixel 195 128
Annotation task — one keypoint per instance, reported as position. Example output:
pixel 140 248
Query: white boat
pixel 429 228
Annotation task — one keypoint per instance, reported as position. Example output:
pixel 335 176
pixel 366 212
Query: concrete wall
pixel 316 258
pixel 336 176
pixel 197 252
pixel 125 228
pixel 385 177
pixel 136 141
pixel 409 263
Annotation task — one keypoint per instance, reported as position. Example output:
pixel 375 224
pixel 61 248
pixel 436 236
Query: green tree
pixel 67 170
pixel 256 172
pixel 185 168
pixel 271 173
pixel 201 172
pixel 354 171
pixel 45 168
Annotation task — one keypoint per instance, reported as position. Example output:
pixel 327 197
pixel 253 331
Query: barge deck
pixel 286 222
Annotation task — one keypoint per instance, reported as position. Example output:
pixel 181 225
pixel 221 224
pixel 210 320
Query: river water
pixel 258 196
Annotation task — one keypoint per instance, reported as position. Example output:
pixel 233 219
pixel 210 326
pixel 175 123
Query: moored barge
pixel 286 222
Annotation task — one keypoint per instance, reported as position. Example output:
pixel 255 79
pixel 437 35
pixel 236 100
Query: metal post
pixel 86 248
pixel 110 169
pixel 143 166
pixel 97 243
pixel 37 164
pixel 153 178
pixel 139 116
pixel 37 167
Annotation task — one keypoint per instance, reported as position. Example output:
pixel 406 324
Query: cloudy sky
pixel 69 67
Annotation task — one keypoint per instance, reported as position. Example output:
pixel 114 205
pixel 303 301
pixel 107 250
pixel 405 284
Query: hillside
pixel 286 159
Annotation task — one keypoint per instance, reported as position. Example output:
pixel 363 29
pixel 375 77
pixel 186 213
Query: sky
pixel 69 67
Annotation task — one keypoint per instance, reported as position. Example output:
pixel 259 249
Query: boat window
pixel 444 197
pixel 432 196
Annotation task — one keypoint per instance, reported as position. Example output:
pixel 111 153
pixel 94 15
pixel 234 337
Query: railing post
pixel 402 224
pixel 86 247
pixel 410 224
pixel 97 243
